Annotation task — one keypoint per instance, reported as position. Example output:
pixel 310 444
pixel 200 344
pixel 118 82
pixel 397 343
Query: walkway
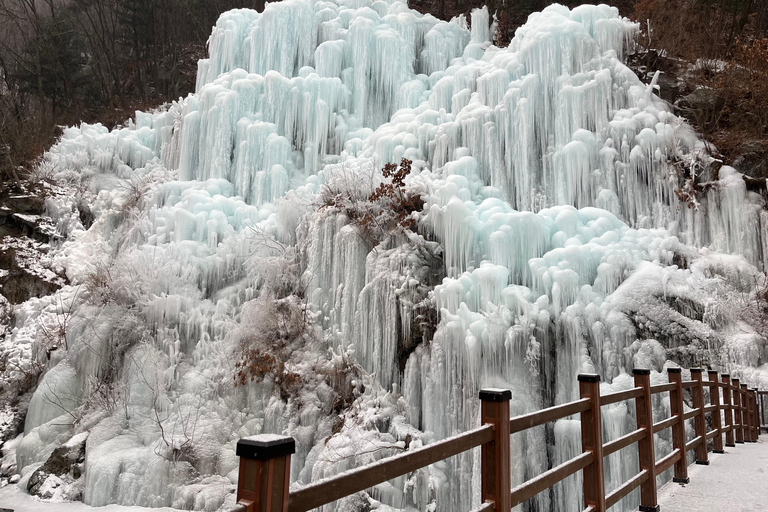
pixel 736 481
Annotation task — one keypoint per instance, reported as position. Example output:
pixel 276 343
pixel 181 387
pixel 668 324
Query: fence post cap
pixel 674 370
pixel 265 446
pixel 641 371
pixel 589 377
pixel 725 375
pixel 744 386
pixel 697 370
pixel 495 394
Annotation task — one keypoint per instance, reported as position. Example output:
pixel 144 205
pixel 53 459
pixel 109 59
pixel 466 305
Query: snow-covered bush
pixel 269 330
pixel 376 212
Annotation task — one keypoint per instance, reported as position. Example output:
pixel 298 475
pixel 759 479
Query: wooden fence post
pixel 744 413
pixel 645 447
pixel 748 435
pixel 753 414
pixel 700 420
pixel 714 399
pixel 737 416
pixel 265 470
pixel 758 412
pixel 495 456
pixel 728 409
pixel 678 429
pixel 592 441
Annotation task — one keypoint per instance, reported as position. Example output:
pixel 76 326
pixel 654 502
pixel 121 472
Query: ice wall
pixel 551 242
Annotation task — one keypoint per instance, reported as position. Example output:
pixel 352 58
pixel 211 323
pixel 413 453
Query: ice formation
pixel 551 242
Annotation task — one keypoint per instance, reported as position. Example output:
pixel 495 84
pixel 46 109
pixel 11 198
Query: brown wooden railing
pixel 762 400
pixel 265 460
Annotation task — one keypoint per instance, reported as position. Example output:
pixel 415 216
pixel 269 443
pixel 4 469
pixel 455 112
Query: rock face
pixel 753 159
pixel 702 107
pixel 645 65
pixel 703 98
pixel 5 316
pixel 25 230
pixel 669 89
pixel 62 468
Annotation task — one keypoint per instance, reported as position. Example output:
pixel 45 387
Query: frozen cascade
pixel 550 242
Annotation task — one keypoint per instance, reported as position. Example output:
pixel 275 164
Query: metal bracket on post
pixel 592 441
pixel 646 450
pixel 495 456
pixel 678 429
pixel 265 469
pixel 714 399
pixel 700 420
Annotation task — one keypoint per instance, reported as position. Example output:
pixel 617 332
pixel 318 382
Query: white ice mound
pixel 551 241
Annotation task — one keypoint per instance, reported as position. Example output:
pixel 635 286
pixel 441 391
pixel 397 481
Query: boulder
pixel 753 159
pixel 702 107
pixel 669 89
pixel 702 98
pixel 64 465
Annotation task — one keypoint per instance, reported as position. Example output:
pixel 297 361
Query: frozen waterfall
pixel 551 242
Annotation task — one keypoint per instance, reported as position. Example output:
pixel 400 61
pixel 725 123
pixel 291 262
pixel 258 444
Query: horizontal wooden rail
pixel 612 398
pixel 487 506
pixel 534 419
pixel 623 441
pixel 265 460
pixel 665 424
pixel 549 478
pixel 661 388
pixel 331 489
pixel 690 414
pixel 628 486
pixel 667 462
pixel 693 443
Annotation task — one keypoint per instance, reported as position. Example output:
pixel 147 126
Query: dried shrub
pixel 255 365
pixel 718 46
pixel 743 85
pixel 396 203
pixel 689 169
pixel 386 209
pixel 270 331
pixel 696 29
pixel 344 377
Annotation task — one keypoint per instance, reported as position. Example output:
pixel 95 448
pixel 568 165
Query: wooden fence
pixel 763 408
pixel 265 460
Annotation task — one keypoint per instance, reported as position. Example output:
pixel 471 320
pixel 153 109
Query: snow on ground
pixel 13 498
pixel 735 481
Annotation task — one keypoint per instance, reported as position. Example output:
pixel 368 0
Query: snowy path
pixel 13 499
pixel 736 481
